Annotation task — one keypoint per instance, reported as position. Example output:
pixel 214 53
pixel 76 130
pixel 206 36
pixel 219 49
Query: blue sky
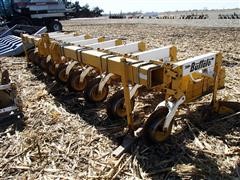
pixel 115 6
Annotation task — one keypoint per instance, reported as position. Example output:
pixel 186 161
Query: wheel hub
pixel 96 95
pixel 62 75
pixel 119 108
pixel 116 105
pixel 56 27
pixel 76 84
pixel 156 132
pixel 153 128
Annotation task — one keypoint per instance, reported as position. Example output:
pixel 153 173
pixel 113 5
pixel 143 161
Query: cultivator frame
pixel 91 64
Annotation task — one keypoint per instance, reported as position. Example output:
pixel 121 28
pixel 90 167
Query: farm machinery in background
pixel 44 12
pixel 31 16
pixel 34 12
pixel 27 16
pixel 194 16
pixel 229 16
pixel 92 64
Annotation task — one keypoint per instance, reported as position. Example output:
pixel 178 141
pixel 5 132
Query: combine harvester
pixel 91 65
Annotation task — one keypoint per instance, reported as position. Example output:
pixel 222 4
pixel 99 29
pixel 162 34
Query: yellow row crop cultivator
pixel 92 64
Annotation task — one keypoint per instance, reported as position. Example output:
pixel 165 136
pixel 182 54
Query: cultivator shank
pixel 92 64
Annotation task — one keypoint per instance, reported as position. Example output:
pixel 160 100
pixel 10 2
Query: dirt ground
pixel 63 137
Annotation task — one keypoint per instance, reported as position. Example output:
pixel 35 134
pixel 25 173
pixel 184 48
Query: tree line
pixel 75 10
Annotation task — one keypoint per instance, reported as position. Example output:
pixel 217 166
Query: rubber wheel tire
pixel 43 63
pixel 55 26
pixel 92 90
pixel 118 98
pixel 36 59
pixel 51 70
pixel 30 55
pixel 5 99
pixel 150 125
pixel 60 72
pixel 74 77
